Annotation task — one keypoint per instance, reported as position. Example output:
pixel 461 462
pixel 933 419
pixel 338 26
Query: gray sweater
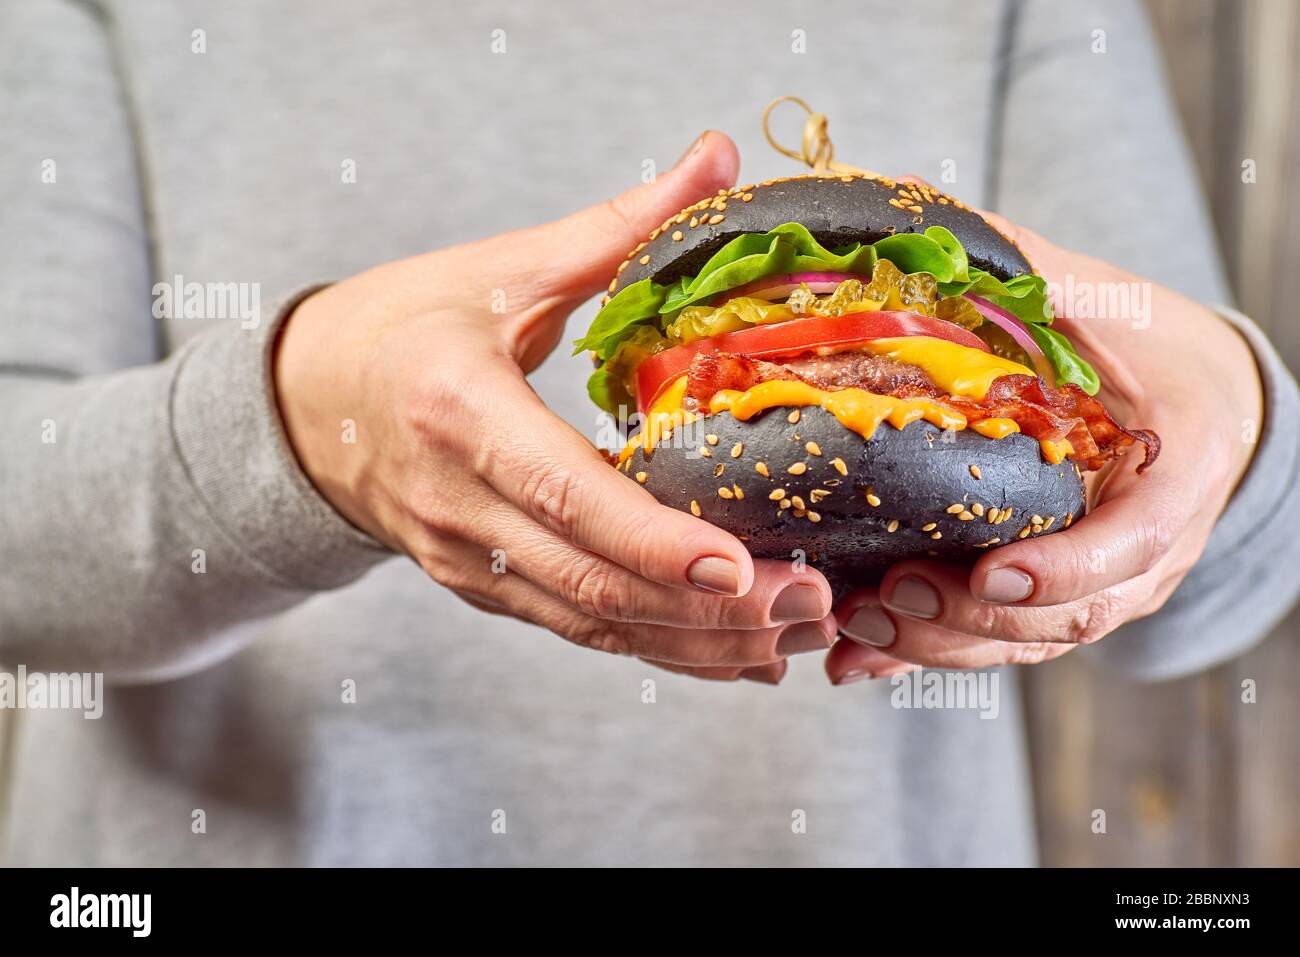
pixel 128 443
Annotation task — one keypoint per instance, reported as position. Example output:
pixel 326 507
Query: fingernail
pixel 691 150
pixel 870 626
pixel 856 674
pixel 914 596
pixel 715 574
pixel 1004 585
pixel 798 603
pixel 761 674
pixel 805 636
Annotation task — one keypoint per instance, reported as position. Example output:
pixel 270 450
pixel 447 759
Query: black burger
pixel 850 370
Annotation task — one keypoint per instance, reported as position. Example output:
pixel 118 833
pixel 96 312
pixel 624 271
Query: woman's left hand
pixel 1176 368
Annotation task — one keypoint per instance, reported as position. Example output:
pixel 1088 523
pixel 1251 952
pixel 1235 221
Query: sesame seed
pixel 678 235
pixel 914 209
pixel 818 494
pixel 814 517
pixel 892 526
pixel 813 448
pixel 797 502
pixel 740 493
pixel 793 417
pixel 873 499
pixel 993 541
pixel 695 508
pixel 785 503
pixel 1069 519
pixel 641 477
pixel 937 535
pixel 929 526
pixel 725 492
pixel 975 471
pixel 799 513
pixel 1023 532
pixel 798 468
pixel 777 494
pixel 978 509
pixel 1006 514
pixel 993 516
pixel 711 439
pixel 832 483
pixel 839 466
pixel 695 221
pixel 717 470
pixel 965 516
pixel 746 197
pixel 1048 524
pixel 955 507
pixel 644 259
pixel 737 449
pixel 715 219
pixel 761 468
pixel 706 452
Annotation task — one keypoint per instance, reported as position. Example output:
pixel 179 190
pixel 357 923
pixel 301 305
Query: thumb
pixel 575 257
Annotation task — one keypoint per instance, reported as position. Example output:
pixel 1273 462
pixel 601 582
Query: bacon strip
pixel 710 374
pixel 1066 412
pixel 1042 412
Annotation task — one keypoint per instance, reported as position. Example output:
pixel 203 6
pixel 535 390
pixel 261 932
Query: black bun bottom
pixel 838 506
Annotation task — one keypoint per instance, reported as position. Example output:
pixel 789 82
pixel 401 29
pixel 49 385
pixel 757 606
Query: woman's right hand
pixel 404 396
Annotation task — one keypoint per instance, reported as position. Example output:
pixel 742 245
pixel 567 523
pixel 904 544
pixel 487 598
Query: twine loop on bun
pixel 818 151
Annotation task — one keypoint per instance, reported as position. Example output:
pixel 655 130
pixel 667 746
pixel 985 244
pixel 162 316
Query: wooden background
pixel 1188 774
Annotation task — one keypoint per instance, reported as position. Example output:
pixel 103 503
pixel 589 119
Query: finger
pixel 886 635
pixel 782 592
pixel 848 661
pixel 680 646
pixel 576 256
pixel 554 475
pixel 1124 536
pixel 770 674
pixel 939 594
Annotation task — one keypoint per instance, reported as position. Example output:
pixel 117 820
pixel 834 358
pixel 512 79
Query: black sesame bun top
pixel 837 210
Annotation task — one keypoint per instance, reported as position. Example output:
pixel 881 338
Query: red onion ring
pixel 1016 329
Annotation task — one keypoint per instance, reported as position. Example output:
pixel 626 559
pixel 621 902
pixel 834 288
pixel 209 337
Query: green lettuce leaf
pixel 634 304
pixel 1069 365
pixel 787 248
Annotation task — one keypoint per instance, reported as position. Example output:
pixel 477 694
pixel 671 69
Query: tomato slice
pixel 794 338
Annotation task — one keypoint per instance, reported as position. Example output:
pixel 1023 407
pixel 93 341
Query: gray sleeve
pixel 149 511
pixel 1091 154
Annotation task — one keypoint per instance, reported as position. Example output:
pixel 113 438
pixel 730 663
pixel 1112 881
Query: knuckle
pixel 447 570
pixel 1030 652
pixel 434 403
pixel 594 589
pixel 1094 619
pixel 553 492
pixel 984 619
pixel 600 636
pixel 622 213
pixel 1157 536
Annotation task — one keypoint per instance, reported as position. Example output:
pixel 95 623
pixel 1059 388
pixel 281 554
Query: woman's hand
pixel 456 462
pixel 1180 370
